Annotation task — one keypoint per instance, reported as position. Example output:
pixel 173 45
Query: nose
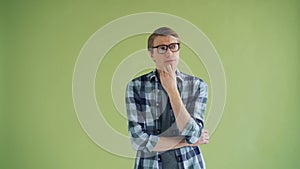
pixel 168 52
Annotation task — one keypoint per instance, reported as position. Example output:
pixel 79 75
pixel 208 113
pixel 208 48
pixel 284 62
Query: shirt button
pixel 179 159
pixel 157 104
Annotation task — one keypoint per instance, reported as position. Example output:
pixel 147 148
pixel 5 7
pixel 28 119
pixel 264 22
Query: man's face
pixel 167 58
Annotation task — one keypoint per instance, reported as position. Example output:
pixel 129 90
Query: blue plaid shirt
pixel 145 102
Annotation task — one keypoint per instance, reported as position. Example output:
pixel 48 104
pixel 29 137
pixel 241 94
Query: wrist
pixel 182 143
pixel 173 92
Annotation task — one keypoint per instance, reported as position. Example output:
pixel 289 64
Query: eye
pixel 173 46
pixel 162 48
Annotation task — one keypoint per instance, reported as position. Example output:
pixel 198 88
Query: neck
pixel 160 70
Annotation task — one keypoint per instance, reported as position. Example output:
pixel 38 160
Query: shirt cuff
pixel 191 131
pixel 152 142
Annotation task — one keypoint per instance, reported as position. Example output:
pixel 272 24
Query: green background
pixel 258 43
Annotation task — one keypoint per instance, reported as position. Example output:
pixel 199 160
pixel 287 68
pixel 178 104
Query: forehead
pixel 164 40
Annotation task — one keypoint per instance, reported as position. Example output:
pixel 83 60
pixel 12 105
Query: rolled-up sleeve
pixel 140 140
pixel 196 108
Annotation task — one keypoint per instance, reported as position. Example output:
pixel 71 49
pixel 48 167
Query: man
pixel 165 110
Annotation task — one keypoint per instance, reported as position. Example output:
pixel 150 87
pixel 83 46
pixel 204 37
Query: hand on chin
pixel 167 68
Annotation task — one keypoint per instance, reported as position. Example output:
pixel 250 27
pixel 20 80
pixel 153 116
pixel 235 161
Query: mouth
pixel 170 61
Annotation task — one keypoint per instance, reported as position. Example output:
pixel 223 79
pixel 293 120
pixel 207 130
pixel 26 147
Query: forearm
pixel 181 114
pixel 169 143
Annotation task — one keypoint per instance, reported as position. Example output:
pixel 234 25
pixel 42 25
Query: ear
pixel 151 55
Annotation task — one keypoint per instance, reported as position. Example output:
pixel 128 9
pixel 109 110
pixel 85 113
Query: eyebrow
pixel 167 44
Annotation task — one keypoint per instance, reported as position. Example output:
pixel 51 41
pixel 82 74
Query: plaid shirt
pixel 144 104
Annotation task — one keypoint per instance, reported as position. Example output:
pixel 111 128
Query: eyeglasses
pixel 161 49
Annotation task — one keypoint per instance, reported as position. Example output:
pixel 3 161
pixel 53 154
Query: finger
pixel 165 70
pixel 203 142
pixel 206 136
pixel 169 68
pixel 205 130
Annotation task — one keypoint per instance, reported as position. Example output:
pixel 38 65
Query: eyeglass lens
pixel 174 47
